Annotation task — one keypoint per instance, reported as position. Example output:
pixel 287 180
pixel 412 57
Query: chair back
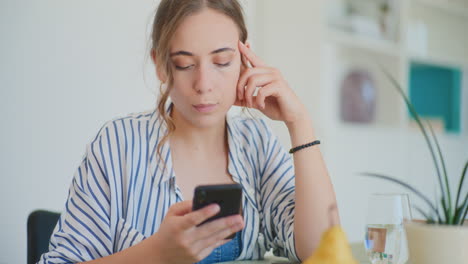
pixel 41 223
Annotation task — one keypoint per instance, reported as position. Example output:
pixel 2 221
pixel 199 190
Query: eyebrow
pixel 186 53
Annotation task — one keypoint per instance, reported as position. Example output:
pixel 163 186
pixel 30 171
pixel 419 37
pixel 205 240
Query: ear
pixel 159 72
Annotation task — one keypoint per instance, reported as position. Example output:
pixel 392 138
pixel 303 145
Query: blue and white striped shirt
pixel 122 190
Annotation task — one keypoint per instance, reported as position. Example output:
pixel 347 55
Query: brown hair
pixel 169 16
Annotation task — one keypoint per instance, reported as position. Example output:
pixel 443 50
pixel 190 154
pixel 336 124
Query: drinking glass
pixel 385 238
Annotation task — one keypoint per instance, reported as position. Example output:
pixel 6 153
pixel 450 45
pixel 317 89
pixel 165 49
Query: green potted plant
pixel 443 236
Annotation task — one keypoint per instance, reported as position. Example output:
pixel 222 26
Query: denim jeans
pixel 227 252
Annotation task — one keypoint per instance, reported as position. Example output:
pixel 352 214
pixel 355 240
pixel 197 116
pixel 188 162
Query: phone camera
pixel 202 196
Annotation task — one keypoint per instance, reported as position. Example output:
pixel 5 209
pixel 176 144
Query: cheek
pixel 232 77
pixel 181 86
pixel 178 96
pixel 180 80
pixel 230 85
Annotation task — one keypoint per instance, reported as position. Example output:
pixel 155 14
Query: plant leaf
pixel 446 212
pixel 437 208
pixel 448 216
pixel 418 121
pixel 464 215
pixel 458 214
pixel 439 218
pixel 465 207
pixel 407 186
pixel 460 184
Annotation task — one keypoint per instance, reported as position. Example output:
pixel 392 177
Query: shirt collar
pixel 238 161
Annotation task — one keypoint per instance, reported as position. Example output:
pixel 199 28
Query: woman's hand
pixel 180 240
pixel 274 98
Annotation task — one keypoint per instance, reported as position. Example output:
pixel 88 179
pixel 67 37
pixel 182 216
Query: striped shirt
pixel 121 191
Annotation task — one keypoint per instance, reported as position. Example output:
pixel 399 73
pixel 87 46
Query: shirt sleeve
pixel 83 230
pixel 278 197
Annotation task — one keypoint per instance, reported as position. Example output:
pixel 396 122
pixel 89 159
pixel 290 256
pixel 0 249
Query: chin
pixel 204 120
pixel 209 120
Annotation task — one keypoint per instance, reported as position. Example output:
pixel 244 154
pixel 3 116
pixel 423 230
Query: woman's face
pixel 206 66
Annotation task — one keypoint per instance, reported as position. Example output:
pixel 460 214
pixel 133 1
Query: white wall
pixel 68 66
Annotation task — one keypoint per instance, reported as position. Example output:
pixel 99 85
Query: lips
pixel 205 108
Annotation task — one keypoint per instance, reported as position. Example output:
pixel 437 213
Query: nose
pixel 203 84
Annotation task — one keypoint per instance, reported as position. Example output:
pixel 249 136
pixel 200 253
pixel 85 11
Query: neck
pixel 197 139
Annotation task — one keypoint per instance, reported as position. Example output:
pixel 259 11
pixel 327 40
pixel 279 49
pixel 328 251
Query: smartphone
pixel 227 196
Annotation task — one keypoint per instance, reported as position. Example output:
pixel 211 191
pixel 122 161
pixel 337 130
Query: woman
pixel 130 202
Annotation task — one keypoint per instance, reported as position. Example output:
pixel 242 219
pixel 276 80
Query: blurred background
pixel 68 66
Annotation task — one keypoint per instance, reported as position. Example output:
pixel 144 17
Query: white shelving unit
pixel 428 31
pixel 351 40
pixel 459 8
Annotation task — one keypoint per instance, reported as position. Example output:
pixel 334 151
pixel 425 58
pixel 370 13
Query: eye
pixel 181 68
pixel 223 64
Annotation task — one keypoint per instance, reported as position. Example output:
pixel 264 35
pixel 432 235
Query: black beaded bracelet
pixel 316 142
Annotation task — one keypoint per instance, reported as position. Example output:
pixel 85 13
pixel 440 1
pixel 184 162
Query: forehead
pixel 204 32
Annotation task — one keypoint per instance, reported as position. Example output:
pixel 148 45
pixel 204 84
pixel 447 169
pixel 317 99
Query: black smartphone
pixel 227 196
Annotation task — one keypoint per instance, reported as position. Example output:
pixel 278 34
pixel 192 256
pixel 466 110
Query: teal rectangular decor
pixel 435 92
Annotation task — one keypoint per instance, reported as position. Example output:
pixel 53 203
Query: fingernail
pixel 215 208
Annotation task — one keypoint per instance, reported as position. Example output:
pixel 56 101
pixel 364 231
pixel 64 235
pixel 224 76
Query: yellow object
pixel 333 249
